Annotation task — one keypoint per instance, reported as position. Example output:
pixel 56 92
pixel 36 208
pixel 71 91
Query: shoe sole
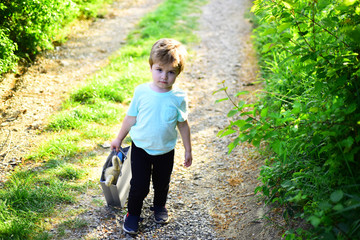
pixel 161 221
pixel 127 231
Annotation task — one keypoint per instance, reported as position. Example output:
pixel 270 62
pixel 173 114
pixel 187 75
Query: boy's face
pixel 164 76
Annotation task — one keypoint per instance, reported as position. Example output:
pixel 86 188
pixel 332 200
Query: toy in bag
pixel 115 177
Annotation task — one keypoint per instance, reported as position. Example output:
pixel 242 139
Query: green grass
pixel 76 115
pixel 87 119
pixel 25 199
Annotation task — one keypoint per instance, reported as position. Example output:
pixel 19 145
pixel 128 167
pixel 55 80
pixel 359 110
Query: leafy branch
pixel 238 107
pixel 323 28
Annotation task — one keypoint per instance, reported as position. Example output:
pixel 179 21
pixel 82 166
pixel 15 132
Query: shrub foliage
pixel 308 115
pixel 7 49
pixel 30 26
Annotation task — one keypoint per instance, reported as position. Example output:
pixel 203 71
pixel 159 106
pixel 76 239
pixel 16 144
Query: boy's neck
pixel 159 90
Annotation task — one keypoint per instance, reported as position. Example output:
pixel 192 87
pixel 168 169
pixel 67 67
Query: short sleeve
pixel 133 108
pixel 183 110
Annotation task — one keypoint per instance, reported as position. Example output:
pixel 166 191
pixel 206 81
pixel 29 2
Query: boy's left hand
pixel 188 159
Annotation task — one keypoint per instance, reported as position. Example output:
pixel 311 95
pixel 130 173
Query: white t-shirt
pixel 156 115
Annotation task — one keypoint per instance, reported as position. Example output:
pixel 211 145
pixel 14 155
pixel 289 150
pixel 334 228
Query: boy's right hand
pixel 115 144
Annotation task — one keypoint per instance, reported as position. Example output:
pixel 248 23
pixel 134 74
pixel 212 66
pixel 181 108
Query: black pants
pixel 143 166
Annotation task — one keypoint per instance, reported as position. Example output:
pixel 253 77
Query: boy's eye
pixel 159 69
pixel 172 72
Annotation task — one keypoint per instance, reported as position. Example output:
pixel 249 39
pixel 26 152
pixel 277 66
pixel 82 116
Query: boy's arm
pixel 184 130
pixel 127 123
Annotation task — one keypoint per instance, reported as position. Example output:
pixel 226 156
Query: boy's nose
pixel 164 75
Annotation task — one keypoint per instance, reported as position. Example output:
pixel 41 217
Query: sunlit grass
pixel 25 200
pixel 70 172
pixel 66 160
pixel 78 115
pixel 62 145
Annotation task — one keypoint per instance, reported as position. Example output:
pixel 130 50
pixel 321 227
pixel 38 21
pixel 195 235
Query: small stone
pixel 106 145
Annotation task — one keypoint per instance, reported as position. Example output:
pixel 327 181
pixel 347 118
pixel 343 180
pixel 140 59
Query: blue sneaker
pixel 131 224
pixel 160 215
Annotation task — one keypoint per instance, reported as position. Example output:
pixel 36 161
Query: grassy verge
pixel 65 161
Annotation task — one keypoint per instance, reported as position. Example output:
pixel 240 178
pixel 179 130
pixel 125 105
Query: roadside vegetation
pixel 62 164
pixel 28 27
pixel 306 120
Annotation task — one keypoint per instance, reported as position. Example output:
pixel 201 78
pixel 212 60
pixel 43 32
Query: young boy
pixel 155 111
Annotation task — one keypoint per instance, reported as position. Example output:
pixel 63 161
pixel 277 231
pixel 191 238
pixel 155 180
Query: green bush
pixel 308 114
pixel 7 52
pixel 34 24
pixel 29 26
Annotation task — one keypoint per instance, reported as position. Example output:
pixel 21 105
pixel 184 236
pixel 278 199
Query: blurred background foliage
pixel 30 26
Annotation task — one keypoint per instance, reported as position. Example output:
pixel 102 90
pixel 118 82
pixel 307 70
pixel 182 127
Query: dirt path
pixel 223 184
pixel 211 200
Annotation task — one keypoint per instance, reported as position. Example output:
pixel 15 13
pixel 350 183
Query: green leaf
pixel 266 191
pixel 287 5
pixel 246 126
pixel 352 207
pixel 269 31
pixel 264 112
pixel 349 2
pixel 319 86
pixel 265 126
pixel 277 147
pixel 338 207
pixel 284 26
pixel 314 109
pixel 241 105
pixel 239 123
pixel 267 47
pixel 232 112
pixel 246 113
pixel 256 142
pixel 258 189
pixel 347 142
pixel 233 144
pixel 241 93
pixel 305 57
pixel 296 108
pixel 252 132
pixel 220 90
pixel 325 205
pixel 285 37
pixel 336 196
pixel 222 99
pixel 228 132
pixel 315 221
pixel 351 108
pixel 316 139
pixel 220 133
pixel 287 184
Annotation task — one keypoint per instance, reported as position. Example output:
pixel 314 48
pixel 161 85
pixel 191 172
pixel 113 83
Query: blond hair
pixel 168 51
